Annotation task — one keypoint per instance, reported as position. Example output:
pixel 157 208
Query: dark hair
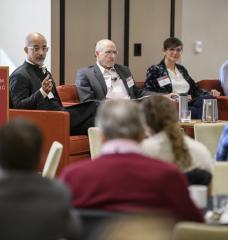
pixel 161 115
pixel 172 42
pixel 20 145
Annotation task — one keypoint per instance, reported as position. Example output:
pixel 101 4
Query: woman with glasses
pixel 172 79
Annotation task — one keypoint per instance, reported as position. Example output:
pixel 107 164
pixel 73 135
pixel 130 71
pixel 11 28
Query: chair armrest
pixel 209 84
pixel 55 126
pixel 68 104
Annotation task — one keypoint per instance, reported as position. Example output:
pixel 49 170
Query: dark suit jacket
pixel 32 207
pixel 91 84
pixel 130 182
pixel 25 83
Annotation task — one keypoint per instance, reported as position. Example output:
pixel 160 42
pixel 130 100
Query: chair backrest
pixel 208 84
pixel 190 231
pixel 220 178
pixel 53 159
pixel 68 93
pixel 94 135
pixel 140 84
pixel 209 134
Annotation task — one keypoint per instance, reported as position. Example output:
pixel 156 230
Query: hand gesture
pixel 47 84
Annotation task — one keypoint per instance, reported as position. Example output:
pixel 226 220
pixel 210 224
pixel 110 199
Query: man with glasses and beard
pixel 32 87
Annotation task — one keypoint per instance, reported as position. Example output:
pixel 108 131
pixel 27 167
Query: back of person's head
pixel 161 115
pixel 20 145
pixel 172 42
pixel 120 119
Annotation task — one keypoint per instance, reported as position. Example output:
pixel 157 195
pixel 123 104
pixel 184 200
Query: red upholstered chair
pixel 209 84
pixel 140 84
pixel 55 126
pixel 68 94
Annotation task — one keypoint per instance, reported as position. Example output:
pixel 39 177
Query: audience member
pixel 223 76
pixel 122 179
pixel 106 79
pixel 32 87
pixel 167 142
pixel 222 149
pixel 31 207
pixel 172 79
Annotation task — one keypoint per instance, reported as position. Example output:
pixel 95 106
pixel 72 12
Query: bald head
pixel 33 37
pixel 36 48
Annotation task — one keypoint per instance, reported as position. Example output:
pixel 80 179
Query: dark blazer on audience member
pixel 34 208
pixel 91 84
pixel 130 182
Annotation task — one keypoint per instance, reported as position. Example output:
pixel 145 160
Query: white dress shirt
pixel 114 83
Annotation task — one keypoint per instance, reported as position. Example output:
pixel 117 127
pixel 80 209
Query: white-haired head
pixel 120 119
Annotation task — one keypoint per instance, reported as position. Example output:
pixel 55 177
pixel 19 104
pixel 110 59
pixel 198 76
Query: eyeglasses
pixel 111 52
pixel 37 49
pixel 179 50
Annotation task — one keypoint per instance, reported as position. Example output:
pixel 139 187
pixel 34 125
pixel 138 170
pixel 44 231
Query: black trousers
pixel 82 116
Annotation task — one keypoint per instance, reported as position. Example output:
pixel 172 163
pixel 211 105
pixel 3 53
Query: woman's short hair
pixel 172 42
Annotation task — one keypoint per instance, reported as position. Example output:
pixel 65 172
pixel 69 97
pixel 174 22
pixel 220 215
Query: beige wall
pixel 149 25
pixel 86 23
pixel 205 20
pixel 55 31
pixel 17 20
pixel 117 34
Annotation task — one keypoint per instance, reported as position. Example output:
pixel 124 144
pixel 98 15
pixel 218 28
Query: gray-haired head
pixel 120 119
pixel 100 45
pixel 33 36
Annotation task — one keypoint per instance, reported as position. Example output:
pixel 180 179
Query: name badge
pixel 163 81
pixel 130 82
pixel 50 95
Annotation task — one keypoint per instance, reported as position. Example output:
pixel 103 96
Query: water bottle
pixel 183 104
